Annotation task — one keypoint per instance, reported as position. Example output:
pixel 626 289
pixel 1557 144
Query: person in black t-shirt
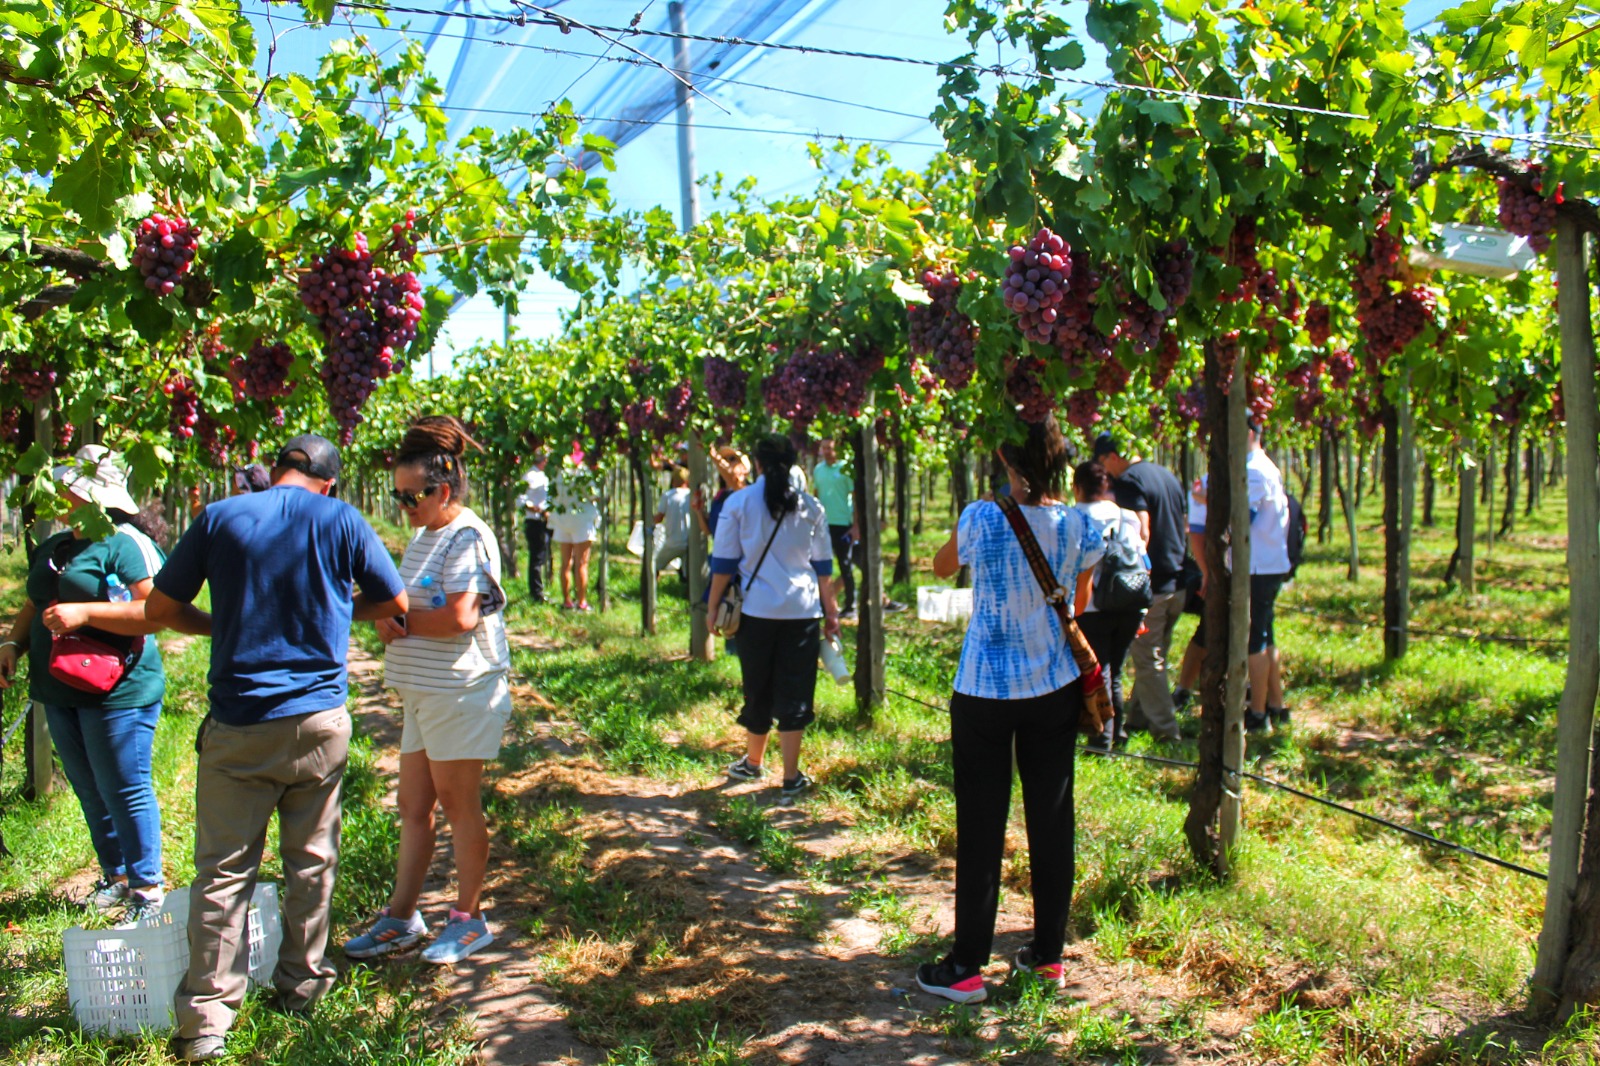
pixel 1152 491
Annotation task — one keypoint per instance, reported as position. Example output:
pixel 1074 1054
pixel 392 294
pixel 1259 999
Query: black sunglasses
pixel 409 500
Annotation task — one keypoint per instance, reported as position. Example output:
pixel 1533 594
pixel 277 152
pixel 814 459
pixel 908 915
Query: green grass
pixel 1457 738
pixel 1335 940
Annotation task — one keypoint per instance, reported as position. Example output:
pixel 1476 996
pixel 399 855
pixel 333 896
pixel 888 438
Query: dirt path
pixel 691 922
pixel 518 1022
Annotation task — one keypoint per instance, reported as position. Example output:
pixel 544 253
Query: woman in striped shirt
pixel 448 659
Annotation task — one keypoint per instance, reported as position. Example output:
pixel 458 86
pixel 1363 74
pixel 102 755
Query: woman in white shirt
pixel 1110 633
pixel 447 658
pixel 575 522
pixel 773 539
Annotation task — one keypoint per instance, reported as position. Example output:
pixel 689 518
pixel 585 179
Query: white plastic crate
pixel 1480 250
pixel 939 603
pixel 123 980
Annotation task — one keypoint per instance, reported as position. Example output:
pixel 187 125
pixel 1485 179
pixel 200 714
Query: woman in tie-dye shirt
pixel 1016 690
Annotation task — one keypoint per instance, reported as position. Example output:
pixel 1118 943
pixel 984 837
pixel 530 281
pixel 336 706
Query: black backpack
pixel 1121 580
pixel 1298 528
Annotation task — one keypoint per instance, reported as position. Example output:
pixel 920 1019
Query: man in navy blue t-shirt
pixel 282 565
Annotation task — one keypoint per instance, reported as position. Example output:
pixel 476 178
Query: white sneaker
pixel 107 894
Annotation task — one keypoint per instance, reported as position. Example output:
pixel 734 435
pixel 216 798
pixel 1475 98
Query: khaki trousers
pixel 1150 705
pixel 293 766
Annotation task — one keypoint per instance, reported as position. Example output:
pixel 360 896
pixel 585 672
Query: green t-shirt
pixel 133 557
pixel 834 489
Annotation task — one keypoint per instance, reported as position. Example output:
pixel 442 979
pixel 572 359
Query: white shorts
pixel 576 527
pixel 466 723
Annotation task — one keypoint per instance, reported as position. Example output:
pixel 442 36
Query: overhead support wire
pixel 1549 140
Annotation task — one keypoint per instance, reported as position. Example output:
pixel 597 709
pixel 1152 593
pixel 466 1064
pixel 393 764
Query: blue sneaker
pixel 386 936
pixel 461 936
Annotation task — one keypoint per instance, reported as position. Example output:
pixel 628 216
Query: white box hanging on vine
pixel 1481 250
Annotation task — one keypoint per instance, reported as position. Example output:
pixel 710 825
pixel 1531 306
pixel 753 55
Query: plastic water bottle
pixel 833 660
pixel 116 591
pixel 434 593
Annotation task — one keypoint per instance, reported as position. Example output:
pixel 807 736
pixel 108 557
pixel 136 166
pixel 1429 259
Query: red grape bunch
pixel 1168 352
pixel 726 383
pixel 1083 408
pixel 1036 283
pixel 183 406
pixel 638 415
pixel 1341 368
pixel 367 317
pixel 1527 214
pixel 263 373
pixel 32 377
pixel 212 350
pixel 601 422
pixel 1027 391
pixel 1319 323
pixel 1191 403
pixel 164 250
pixel 814 380
pixel 672 414
pixel 215 438
pixel 1142 323
pixel 1241 253
pixel 939 330
pixel 65 431
pixel 401 243
pixel 1112 378
pixel 1227 347
pixel 1389 318
pixel 1174 269
pixel 1259 393
pixel 1076 337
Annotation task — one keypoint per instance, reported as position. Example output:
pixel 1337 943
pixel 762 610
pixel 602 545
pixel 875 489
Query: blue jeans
pixel 106 755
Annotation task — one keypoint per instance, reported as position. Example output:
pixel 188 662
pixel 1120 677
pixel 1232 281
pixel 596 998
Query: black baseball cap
pixel 321 457
pixel 1105 444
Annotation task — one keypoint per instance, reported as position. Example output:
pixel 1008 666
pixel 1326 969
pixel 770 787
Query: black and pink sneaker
pixel 1053 973
pixel 959 984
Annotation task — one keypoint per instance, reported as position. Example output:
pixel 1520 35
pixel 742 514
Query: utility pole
pixel 702 646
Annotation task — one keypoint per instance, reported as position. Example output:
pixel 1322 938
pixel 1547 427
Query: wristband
pixel 12 643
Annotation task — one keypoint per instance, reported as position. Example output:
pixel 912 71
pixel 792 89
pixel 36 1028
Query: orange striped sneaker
pixel 1054 973
pixel 462 935
pixel 956 983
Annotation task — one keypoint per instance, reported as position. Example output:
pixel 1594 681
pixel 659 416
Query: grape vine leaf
pixel 91 184
pixel 238 264
pixel 149 317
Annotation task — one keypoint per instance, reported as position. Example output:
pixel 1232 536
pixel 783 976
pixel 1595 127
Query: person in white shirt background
pixel 1110 633
pixel 1269 569
pixel 773 539
pixel 673 518
pixel 535 504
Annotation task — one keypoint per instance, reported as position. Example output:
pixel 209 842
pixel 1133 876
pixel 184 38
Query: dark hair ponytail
pixel 434 445
pixel 1039 460
pixel 775 456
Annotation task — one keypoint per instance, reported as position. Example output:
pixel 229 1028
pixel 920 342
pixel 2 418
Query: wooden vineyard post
pixel 902 511
pixel 961 495
pixel 647 563
pixel 1326 467
pixel 702 648
pixel 601 590
pixel 1467 523
pixel 869 594
pixel 1398 489
pixel 1569 942
pixel 38 758
pixel 1221 686
pixel 1238 628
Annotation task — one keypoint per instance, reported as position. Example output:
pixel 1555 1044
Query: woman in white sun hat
pixel 96 588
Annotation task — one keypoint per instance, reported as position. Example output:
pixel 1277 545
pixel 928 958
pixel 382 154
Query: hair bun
pixel 437 434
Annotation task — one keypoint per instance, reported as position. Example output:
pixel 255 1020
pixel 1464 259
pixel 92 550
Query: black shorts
pixel 778 663
pixel 1263 606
